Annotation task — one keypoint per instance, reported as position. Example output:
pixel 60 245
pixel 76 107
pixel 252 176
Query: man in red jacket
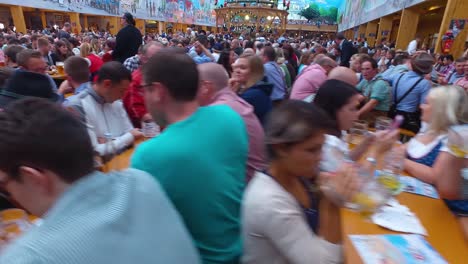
pixel 133 99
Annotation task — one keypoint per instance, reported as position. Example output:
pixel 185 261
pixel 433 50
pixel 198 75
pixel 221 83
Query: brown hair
pixel 85 50
pixel 305 58
pixel 77 68
pixel 168 63
pixel 293 122
pixel 26 54
pixel 42 42
pixel 12 52
pixel 256 68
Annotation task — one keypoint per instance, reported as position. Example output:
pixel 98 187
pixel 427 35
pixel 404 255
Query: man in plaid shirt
pixel 133 100
pixel 133 63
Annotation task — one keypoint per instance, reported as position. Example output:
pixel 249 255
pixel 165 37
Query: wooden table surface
pixel 122 161
pixel 58 76
pixel 443 228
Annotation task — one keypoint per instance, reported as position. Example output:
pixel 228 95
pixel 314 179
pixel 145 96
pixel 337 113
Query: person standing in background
pixel 347 49
pixel 413 45
pixel 65 31
pixel 128 39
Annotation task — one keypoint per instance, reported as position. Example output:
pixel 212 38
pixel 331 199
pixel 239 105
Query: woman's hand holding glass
pixel 385 140
pixel 355 187
pixel 342 185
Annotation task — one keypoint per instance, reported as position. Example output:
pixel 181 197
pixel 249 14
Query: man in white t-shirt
pixel 413 45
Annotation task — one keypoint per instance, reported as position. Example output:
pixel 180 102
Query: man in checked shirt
pixel 133 63
pixel 133 100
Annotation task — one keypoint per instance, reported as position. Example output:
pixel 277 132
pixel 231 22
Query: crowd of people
pixel 238 172
pixel 315 22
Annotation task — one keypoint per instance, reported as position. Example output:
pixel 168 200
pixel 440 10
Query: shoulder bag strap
pixel 408 92
pixel 395 89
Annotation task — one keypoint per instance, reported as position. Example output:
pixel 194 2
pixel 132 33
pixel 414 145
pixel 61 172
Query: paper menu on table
pixel 398 218
pixel 413 185
pixel 409 249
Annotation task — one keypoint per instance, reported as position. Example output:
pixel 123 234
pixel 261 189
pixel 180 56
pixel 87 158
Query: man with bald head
pixel 214 90
pixel 312 77
pixel 235 45
pixel 249 51
pixel 343 74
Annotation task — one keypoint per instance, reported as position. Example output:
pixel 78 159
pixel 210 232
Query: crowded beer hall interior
pixel 233 131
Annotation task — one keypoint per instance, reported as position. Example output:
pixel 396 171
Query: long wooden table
pixel 444 230
pixel 58 76
pixel 122 161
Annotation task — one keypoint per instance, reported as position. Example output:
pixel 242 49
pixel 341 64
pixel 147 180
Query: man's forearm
pixel 369 106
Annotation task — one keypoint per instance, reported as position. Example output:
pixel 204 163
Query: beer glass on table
pixel 60 68
pixel 392 168
pixel 458 140
pixel 383 123
pixel 357 133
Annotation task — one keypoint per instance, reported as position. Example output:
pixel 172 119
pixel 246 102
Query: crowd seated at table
pixel 253 164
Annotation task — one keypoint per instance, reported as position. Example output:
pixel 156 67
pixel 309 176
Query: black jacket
pixel 63 34
pixel 127 43
pixel 347 50
pixel 259 97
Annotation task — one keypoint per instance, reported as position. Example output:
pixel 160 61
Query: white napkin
pixel 397 217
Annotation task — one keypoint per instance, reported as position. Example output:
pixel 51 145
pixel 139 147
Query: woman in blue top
pixel 248 80
pixel 444 107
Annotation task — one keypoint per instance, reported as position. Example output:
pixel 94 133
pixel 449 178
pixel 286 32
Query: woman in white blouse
pixel 444 108
pixel 340 101
pixel 428 157
pixel 285 216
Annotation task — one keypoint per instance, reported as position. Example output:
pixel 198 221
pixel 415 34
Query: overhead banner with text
pixel 200 12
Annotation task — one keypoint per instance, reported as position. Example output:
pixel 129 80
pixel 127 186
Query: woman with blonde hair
pixel 445 107
pixel 95 45
pixel 248 80
pixel 305 61
pixel 94 61
pixel 436 163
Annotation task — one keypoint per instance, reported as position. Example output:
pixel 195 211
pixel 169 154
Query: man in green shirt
pixel 376 91
pixel 199 159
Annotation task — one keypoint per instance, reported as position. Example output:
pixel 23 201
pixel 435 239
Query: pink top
pixel 308 82
pixel 463 82
pixel 2 56
pixel 256 155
